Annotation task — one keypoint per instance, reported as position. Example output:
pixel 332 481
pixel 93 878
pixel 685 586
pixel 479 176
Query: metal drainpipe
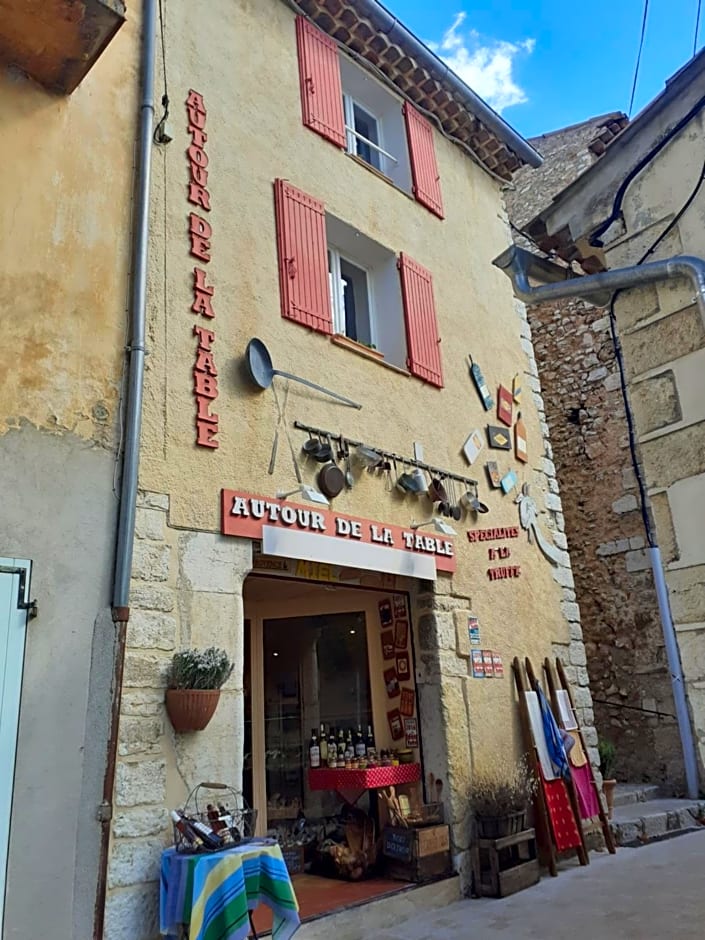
pixel 519 265
pixel 133 424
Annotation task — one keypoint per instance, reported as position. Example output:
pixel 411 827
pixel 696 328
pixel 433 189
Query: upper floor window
pixel 348 106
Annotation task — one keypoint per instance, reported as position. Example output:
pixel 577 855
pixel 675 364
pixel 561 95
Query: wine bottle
pixel 332 749
pixel 341 748
pixel 314 751
pixel 360 749
pixel 371 749
pixel 210 839
pixel 349 746
pixel 323 744
pixel 185 828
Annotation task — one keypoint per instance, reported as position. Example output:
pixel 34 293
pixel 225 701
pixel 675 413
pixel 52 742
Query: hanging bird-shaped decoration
pixel 480 384
pixel 528 516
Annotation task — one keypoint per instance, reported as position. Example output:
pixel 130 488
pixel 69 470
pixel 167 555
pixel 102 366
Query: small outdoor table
pixel 360 781
pixel 212 894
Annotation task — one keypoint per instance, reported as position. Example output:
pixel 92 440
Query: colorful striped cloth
pixel 213 893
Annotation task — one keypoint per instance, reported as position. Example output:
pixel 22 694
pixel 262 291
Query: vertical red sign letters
pixel 200 231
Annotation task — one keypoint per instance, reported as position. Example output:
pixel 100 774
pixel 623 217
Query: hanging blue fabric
pixel 554 741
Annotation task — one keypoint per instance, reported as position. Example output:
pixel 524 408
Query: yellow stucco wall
pixel 65 214
pixel 255 134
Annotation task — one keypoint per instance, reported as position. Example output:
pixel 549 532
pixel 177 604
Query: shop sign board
pixel 286 527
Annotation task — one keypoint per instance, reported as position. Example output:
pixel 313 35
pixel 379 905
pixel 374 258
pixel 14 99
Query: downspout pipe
pixel 520 265
pixel 131 438
pixel 396 31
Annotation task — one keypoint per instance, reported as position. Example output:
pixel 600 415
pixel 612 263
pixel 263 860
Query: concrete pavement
pixel 656 892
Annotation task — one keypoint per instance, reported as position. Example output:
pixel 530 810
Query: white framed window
pixel 374 125
pixel 365 291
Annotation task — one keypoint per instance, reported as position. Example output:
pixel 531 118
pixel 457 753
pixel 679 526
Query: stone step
pixel 636 823
pixel 626 793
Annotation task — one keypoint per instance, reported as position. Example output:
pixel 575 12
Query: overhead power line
pixel 638 56
pixel 697 27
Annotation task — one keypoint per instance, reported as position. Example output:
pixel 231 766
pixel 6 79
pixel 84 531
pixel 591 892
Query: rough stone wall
pixel 186 591
pixel 623 641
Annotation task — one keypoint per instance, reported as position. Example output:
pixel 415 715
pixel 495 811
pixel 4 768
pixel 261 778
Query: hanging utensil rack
pixel 386 454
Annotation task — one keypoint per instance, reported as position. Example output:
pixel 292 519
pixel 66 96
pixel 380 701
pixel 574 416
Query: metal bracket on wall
pixel 29 606
pixel 386 454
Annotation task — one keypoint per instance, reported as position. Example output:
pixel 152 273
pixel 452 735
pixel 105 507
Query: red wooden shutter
pixel 303 257
pixel 422 339
pixel 422 153
pixel 321 88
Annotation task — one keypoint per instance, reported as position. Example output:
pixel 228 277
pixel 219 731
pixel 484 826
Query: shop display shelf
pixel 372 778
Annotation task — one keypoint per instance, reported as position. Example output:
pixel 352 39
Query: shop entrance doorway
pixel 315 656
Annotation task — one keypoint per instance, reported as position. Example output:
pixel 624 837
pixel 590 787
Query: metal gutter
pixel 520 265
pixel 396 30
pixel 133 423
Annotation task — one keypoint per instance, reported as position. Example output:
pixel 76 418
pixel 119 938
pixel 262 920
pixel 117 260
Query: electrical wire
pixel 697 26
pixel 638 56
pixel 157 136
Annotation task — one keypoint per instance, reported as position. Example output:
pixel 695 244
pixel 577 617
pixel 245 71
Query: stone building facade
pixel 200 578
pixel 643 201
pixel 573 344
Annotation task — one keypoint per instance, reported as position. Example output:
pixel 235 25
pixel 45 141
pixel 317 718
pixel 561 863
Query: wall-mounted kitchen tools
pixel 498 438
pixel 261 372
pixel 480 384
pixel 520 450
pixel 504 405
pixel 472 446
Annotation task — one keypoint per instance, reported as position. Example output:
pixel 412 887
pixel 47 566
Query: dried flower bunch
pixel 199 669
pixel 506 787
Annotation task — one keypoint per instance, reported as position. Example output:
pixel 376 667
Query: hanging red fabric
pixel 303 257
pixel 422 338
pixel 321 87
pixel 422 153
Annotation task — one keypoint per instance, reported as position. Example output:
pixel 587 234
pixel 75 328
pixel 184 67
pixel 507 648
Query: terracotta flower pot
pixel 191 709
pixel 608 789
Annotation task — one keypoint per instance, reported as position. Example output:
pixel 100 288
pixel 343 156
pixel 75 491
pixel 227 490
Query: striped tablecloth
pixel 211 894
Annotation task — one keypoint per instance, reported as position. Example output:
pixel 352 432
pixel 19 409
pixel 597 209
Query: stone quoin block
pixel 150 524
pixel 146 597
pixel 150 821
pixel 624 504
pixel 150 561
pixel 144 670
pixel 141 782
pixel 655 402
pixel 148 500
pixel 134 862
pixel 148 629
pixel 140 735
pixel 132 913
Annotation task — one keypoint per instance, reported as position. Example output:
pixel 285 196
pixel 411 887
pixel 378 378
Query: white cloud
pixel 484 64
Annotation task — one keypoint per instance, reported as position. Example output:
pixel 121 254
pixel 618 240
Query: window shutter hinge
pixel 104 813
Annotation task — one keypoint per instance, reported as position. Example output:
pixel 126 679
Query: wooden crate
pixel 419 870
pixel 504 866
pixel 416 854
pixel 406 844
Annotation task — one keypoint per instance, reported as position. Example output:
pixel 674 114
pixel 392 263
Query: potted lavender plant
pixel 194 683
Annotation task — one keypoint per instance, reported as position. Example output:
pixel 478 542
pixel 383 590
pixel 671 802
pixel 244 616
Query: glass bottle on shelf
pixel 349 746
pixel 332 749
pixel 371 749
pixel 341 748
pixel 314 751
pixel 360 749
pixel 323 744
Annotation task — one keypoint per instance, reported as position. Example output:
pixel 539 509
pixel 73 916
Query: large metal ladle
pixel 262 372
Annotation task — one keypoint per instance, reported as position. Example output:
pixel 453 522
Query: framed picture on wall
pixel 411 732
pixel 401 634
pixel 407 702
pixel 385 613
pixel 391 683
pixel 403 667
pixel 395 725
pixel 387 644
pixel 399 605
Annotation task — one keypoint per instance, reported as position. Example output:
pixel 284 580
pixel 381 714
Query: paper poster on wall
pixel 385 613
pixel 474 631
pixel 411 732
pixel 395 724
pixel 403 667
pixel 399 605
pixel 497 665
pixel 488 664
pixel 477 665
pixel 401 634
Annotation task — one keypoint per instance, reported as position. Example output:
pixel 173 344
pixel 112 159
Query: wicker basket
pixel 235 827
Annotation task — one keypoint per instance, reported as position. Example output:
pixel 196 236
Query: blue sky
pixel 545 64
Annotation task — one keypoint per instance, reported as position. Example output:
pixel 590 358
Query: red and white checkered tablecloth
pixel 372 778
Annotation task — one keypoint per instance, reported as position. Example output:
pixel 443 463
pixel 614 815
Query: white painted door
pixel 13 625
